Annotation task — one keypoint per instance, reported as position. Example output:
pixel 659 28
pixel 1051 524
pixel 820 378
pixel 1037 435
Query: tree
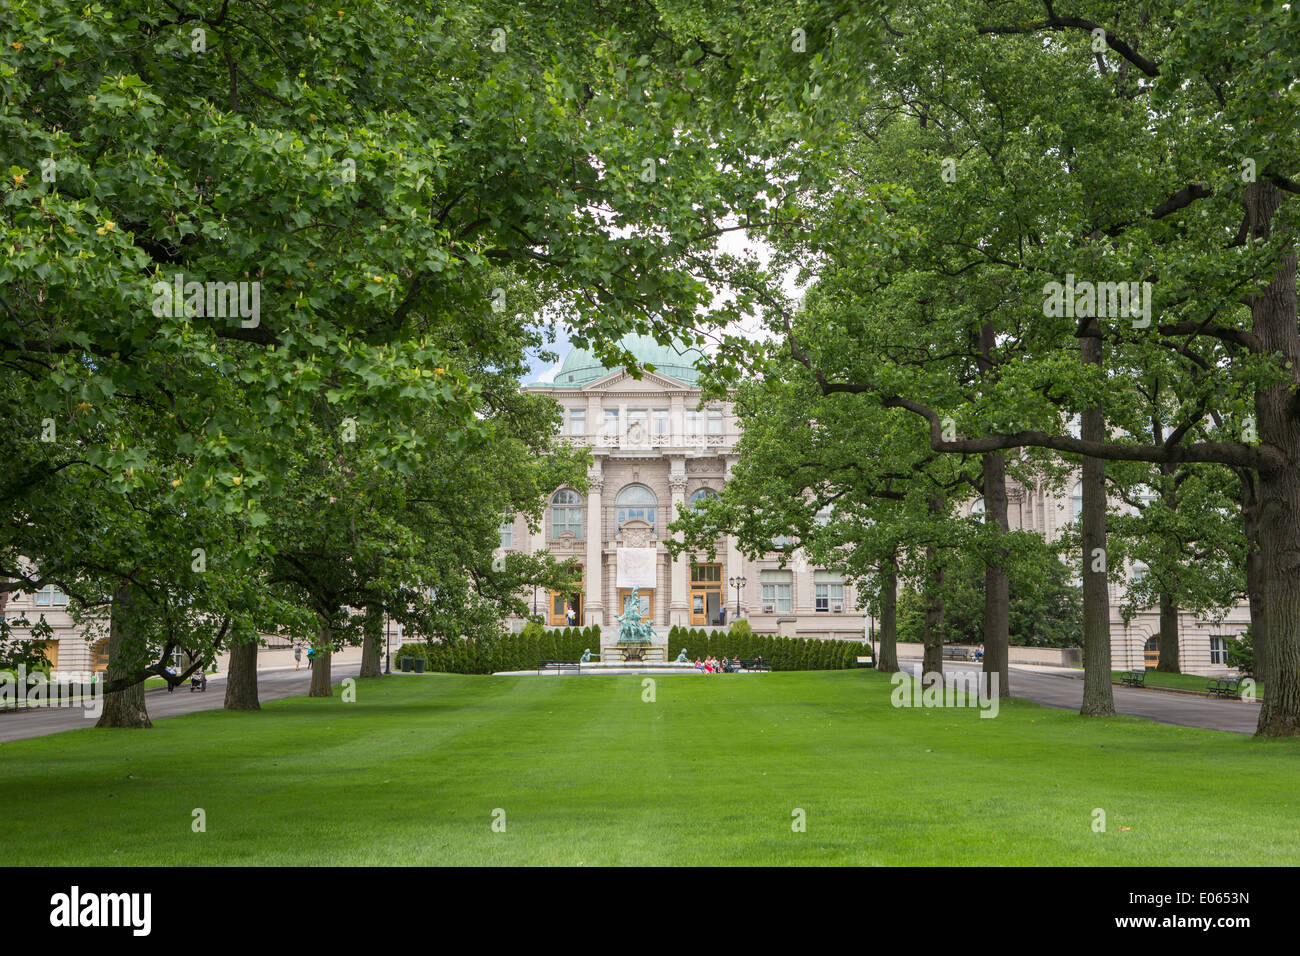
pixel 213 216
pixel 1146 151
pixel 1045 607
pixel 817 480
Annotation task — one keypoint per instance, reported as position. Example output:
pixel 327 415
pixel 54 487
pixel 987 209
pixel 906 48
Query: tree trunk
pixel 371 643
pixel 124 708
pixel 932 636
pixel 1098 697
pixel 997 596
pixel 1273 315
pixel 1169 660
pixel 888 661
pixel 241 681
pixel 320 668
pixel 1255 577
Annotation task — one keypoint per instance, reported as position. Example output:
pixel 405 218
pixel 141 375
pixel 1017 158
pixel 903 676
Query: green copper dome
pixel 581 367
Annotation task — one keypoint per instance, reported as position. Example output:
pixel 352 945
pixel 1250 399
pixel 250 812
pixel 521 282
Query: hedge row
pixel 506 652
pixel 783 653
pixel 522 651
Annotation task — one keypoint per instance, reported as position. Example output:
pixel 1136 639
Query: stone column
pixel 595 421
pixel 679 588
pixel 594 604
pixel 735 567
pixel 677 418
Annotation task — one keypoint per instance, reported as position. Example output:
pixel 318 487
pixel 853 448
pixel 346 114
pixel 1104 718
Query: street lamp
pixel 871 636
pixel 737 583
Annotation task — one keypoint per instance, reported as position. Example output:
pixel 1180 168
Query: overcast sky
pixel 736 243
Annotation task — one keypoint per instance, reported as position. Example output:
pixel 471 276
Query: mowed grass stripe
pixel 589 773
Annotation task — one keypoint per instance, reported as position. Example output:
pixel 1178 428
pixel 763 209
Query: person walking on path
pixel 297 657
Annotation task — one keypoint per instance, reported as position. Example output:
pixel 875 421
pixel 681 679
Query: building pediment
pixel 620 381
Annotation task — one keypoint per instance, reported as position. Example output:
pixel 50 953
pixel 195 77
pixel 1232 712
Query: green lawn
pixel 587 773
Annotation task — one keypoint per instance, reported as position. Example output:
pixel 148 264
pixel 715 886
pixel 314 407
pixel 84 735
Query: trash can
pixel 419 665
pixel 404 664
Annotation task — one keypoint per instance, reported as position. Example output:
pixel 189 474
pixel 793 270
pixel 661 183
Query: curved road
pixel 1065 692
pixel 276 679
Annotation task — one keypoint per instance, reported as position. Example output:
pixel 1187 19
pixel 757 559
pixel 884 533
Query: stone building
pixel 655 451
pixel 72 648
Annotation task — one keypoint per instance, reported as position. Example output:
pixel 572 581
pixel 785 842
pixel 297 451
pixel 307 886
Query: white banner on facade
pixel 636 568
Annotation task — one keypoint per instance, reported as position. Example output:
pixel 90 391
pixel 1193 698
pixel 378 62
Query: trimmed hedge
pixel 522 651
pixel 783 653
pixel 505 652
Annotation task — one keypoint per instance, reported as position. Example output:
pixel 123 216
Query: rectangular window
pixel 507 531
pixel 51 596
pixel 706 574
pixel 777 591
pixel 611 423
pixel 694 423
pixel 1218 650
pixel 659 421
pixel 578 421
pixel 715 423
pixel 829 597
pixel 566 519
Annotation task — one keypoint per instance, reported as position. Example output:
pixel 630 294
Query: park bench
pixel 575 666
pixel 1224 687
pixel 1135 677
pixel 956 654
pixel 755 664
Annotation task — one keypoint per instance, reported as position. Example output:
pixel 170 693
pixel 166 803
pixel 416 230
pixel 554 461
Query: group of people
pixel 711 665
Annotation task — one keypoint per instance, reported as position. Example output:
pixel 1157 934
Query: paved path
pixel 276 679
pixel 1065 691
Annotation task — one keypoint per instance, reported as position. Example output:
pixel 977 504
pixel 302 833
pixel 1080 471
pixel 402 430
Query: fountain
pixel 634 633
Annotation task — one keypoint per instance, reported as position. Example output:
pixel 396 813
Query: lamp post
pixel 737 583
pixel 871 636
pixel 388 651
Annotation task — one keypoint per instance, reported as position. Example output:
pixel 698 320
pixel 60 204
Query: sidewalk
pixel 281 659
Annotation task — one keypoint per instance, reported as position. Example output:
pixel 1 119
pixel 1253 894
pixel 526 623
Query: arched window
pixel 1151 651
pixel 636 501
pixel 566 513
pixel 701 495
pixel 1076 499
pixel 977 508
